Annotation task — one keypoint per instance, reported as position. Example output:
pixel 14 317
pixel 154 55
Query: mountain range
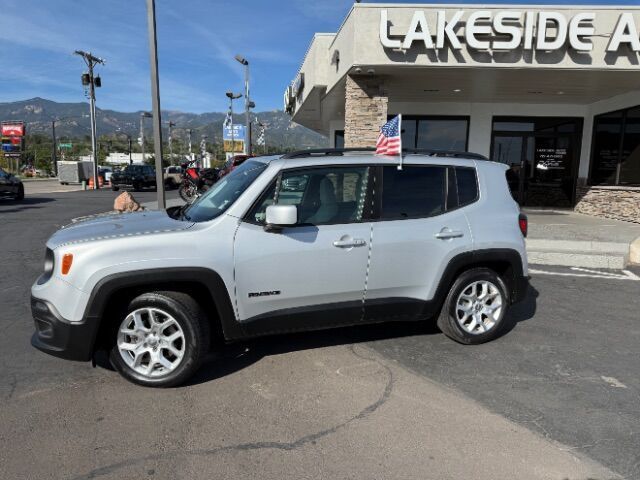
pixel 74 123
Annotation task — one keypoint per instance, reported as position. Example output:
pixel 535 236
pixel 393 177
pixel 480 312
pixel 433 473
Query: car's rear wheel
pixel 161 339
pixel 475 309
pixel 115 188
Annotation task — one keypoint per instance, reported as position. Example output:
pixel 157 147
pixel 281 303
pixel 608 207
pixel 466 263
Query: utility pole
pixel 143 115
pixel 53 151
pixel 89 80
pixel 247 100
pixel 171 124
pixel 190 132
pixel 155 97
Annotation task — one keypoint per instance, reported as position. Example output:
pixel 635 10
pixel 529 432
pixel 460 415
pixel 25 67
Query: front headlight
pixel 49 261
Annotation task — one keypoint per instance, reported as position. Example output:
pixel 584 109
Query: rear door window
pixel 413 192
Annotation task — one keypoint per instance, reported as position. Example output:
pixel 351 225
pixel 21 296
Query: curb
pixel 634 252
pixel 576 253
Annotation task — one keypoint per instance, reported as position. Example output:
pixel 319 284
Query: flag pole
pixel 400 133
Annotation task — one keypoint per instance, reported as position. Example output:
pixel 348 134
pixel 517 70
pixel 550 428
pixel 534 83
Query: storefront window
pixel 616 148
pixel 630 161
pixel 435 133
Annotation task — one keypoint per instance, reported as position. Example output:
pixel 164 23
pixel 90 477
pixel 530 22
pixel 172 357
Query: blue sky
pixel 197 40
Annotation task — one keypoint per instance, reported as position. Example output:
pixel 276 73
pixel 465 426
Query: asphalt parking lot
pixel 557 397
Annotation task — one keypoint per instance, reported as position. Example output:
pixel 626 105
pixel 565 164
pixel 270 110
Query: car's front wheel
pixel 161 339
pixel 475 310
pixel 20 194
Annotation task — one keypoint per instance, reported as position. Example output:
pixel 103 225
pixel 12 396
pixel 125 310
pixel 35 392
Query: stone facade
pixel 613 202
pixel 365 110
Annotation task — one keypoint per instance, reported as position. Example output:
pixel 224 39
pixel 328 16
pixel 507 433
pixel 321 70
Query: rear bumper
pixel 58 337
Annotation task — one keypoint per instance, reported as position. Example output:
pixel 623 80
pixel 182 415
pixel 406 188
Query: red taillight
pixel 523 223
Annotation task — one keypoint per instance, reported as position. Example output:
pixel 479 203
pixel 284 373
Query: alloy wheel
pixel 479 307
pixel 151 342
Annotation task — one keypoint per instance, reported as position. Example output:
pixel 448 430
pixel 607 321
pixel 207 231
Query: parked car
pixel 10 185
pixel 136 177
pixel 173 177
pixel 287 243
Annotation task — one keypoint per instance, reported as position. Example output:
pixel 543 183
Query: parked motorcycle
pixel 196 181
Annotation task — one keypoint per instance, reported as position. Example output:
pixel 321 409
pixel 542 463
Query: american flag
pixel 390 141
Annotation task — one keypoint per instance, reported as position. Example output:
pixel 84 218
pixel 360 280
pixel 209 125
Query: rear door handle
pixel 356 242
pixel 447 234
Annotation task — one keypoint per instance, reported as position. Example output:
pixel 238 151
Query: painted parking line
pixel 588 273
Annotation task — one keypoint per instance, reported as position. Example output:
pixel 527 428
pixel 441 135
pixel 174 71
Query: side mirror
pixel 280 216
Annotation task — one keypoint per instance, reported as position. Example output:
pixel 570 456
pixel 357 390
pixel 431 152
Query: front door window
pixel 323 196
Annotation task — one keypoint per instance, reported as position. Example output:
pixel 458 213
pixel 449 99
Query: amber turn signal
pixel 67 260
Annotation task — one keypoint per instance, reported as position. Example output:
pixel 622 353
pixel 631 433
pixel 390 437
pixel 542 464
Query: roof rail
pixel 444 153
pixel 326 151
pixel 416 151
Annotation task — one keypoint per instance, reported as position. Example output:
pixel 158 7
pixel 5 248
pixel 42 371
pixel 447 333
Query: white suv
pixel 303 241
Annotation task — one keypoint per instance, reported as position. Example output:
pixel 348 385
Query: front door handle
pixel 350 243
pixel 447 234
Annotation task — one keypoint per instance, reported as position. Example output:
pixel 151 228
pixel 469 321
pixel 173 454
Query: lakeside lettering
pixel 540 30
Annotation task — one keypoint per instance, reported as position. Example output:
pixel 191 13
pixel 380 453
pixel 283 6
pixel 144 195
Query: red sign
pixel 12 129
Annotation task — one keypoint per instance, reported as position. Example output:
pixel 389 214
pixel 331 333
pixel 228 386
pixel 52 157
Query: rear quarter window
pixel 467 185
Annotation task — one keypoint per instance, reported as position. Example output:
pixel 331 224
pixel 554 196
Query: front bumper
pixel 59 337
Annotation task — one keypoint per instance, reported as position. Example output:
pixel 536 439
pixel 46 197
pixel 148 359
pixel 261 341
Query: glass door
pixel 542 155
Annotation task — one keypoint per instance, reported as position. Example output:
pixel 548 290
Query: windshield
pixel 224 193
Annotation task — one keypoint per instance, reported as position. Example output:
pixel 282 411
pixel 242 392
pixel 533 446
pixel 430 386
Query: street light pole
pixel 155 97
pixel 91 61
pixel 247 99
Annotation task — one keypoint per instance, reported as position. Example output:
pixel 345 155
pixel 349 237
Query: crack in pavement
pixel 243 447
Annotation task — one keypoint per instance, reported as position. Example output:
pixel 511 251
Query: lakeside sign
pixel 508 30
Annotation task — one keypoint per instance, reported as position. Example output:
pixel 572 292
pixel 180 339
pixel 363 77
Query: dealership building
pixel 551 91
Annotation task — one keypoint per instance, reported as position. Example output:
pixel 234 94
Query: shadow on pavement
pixel 19 205
pixel 235 357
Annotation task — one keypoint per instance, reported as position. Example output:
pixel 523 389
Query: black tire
pixel 20 194
pixel 187 192
pixel 137 187
pixel 194 324
pixel 448 319
pixel 115 188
